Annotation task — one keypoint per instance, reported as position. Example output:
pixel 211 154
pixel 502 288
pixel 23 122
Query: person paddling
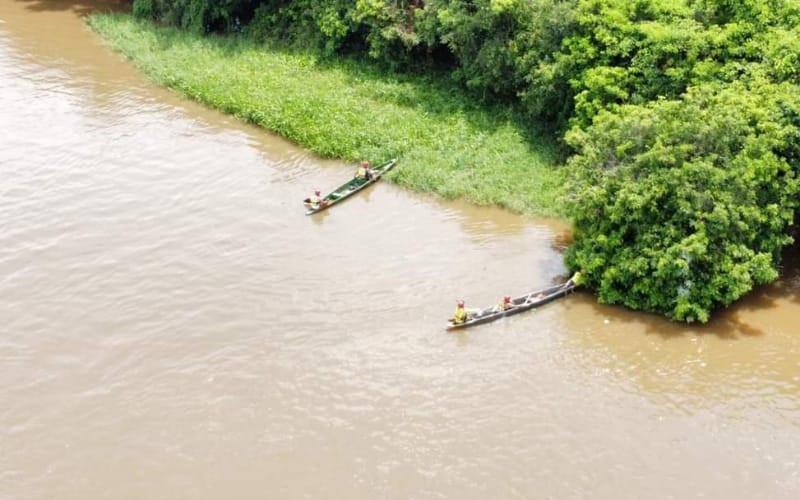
pixel 461 314
pixel 364 173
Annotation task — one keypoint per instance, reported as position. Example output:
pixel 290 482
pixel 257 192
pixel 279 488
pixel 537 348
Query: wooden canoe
pixel 519 304
pixel 348 189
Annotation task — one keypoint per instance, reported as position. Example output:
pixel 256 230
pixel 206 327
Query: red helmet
pixel 365 163
pixel 316 192
pixel 507 299
pixel 460 303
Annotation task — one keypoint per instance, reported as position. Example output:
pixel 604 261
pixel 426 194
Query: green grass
pixel 447 143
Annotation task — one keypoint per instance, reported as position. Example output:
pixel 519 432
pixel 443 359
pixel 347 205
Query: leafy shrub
pixel 146 9
pixel 682 115
pixel 682 206
pixel 198 16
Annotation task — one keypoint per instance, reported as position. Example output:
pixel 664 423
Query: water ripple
pixel 174 325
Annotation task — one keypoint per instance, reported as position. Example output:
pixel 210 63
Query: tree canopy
pixel 681 118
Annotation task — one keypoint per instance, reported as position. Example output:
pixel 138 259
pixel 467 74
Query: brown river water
pixel 173 326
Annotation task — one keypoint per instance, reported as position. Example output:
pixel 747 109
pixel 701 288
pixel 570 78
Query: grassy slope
pixel 448 145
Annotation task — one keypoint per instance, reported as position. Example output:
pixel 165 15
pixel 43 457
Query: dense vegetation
pixel 681 117
pixel 449 145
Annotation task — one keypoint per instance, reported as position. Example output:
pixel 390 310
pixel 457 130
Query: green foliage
pixel 146 9
pixel 480 34
pixel 385 30
pixel 344 109
pixel 682 115
pixel 682 206
pixel 199 16
pixel 489 44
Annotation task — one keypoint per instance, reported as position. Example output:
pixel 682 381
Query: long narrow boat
pixel 518 305
pixel 348 189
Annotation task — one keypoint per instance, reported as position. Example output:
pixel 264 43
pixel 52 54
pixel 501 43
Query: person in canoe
pixel 315 201
pixel 505 304
pixel 461 315
pixel 364 173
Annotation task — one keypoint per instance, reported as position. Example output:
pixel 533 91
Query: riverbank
pixel 449 145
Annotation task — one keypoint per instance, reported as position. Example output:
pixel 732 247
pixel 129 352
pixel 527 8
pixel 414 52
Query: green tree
pixel 682 206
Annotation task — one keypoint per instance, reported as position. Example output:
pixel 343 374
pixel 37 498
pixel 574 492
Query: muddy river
pixel 173 326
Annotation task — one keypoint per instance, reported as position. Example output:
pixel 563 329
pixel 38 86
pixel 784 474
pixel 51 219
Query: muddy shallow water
pixel 173 326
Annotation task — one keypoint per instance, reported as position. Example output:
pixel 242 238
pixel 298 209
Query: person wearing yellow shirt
pixel 461 315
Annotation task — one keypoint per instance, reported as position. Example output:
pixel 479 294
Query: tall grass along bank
pixel 682 119
pixel 448 145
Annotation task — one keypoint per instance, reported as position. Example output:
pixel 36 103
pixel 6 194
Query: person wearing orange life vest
pixel 364 172
pixel 461 314
pixel 505 304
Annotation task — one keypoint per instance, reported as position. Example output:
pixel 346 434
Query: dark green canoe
pixel 518 305
pixel 349 188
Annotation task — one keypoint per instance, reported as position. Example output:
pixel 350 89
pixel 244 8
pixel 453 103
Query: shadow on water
pixel 751 340
pixel 731 323
pixel 561 240
pixel 727 324
pixel 789 283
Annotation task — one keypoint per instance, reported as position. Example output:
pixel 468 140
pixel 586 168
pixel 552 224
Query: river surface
pixel 173 326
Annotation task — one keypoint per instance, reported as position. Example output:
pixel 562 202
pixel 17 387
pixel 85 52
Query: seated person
pixel 505 304
pixel 364 172
pixel 314 200
pixel 461 315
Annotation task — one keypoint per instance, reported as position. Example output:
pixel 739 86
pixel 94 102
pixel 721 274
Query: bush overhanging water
pixel 681 117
